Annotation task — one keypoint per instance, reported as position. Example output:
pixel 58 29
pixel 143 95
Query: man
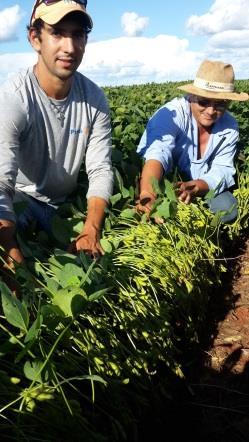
pixel 52 119
pixel 197 135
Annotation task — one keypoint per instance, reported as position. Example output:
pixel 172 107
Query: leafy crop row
pixel 90 343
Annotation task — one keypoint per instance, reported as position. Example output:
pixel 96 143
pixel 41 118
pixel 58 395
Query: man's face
pixel 207 111
pixel 61 48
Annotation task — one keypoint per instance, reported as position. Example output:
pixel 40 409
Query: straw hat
pixel 52 13
pixel 214 79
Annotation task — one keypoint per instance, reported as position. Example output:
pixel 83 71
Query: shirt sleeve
pixel 12 122
pixel 98 154
pixel 221 171
pixel 158 139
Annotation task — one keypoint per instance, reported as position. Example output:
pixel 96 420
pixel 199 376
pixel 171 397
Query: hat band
pixel 213 86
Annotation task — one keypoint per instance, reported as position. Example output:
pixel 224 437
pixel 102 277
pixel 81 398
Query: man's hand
pixel 187 191
pixel 10 256
pixel 8 242
pixel 88 241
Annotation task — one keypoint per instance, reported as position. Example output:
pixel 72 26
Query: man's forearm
pixel 95 212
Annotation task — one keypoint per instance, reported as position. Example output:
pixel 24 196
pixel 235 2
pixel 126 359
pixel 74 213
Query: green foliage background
pixel 94 344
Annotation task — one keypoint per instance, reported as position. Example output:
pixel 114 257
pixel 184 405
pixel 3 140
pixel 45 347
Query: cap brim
pixel 191 89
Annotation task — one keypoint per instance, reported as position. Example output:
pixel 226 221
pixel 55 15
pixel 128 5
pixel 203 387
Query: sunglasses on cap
pixel 51 2
pixel 219 105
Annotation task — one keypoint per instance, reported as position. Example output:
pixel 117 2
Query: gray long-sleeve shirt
pixel 44 141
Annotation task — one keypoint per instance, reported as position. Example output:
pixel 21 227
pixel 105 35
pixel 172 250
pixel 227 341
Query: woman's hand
pixel 145 202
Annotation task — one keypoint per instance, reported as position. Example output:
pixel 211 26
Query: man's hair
pixel 39 24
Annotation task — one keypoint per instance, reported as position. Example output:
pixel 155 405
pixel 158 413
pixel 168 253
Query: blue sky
pixel 139 41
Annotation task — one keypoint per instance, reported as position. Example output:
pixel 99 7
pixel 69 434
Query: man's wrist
pixel 88 225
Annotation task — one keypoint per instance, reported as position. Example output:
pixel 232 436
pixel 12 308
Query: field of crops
pixel 91 349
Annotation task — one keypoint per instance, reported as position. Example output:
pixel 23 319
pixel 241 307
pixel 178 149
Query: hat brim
pixel 191 89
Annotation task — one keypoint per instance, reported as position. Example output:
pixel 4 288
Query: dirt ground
pixel 230 351
pixel 220 389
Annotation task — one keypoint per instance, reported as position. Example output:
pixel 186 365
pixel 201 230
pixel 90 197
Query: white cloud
pixel 132 24
pixel 230 39
pixel 232 47
pixel 223 15
pixel 9 20
pixel 139 60
pixel 125 60
pixel 226 25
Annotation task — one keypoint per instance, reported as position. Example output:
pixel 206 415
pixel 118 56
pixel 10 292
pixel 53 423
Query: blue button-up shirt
pixel 171 137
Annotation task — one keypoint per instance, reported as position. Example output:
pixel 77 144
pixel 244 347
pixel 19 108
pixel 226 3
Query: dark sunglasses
pixel 219 105
pixel 51 2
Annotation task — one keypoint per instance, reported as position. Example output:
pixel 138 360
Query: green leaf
pixel 70 302
pixel 94 378
pixel 87 262
pixel 15 311
pixel 32 371
pixel 121 110
pixel 155 186
pixel 51 315
pixel 23 353
pixel 170 191
pixel 125 193
pixel 70 274
pixel 118 179
pixel 98 294
pixel 34 329
pixel 117 130
pixel 128 213
pixel 108 225
pixel 210 195
pixel 115 198
pixel 78 227
pixel 52 285
pixel 132 192
pixel 59 260
pixel 144 218
pixel 115 243
pixel 163 210
pixel 106 245
pixel 217 218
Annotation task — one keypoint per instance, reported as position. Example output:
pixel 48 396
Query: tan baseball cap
pixel 52 11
